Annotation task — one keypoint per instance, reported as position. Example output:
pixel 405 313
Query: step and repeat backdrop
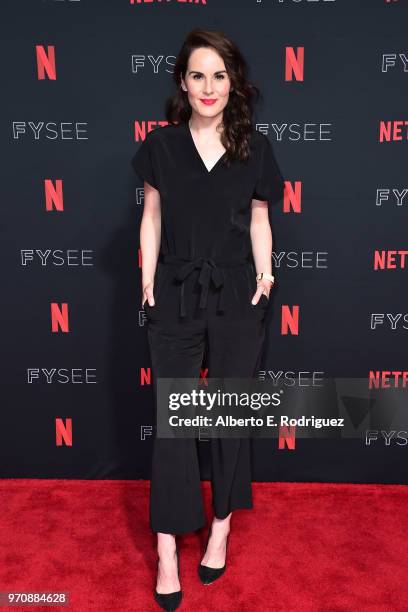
pixel 84 81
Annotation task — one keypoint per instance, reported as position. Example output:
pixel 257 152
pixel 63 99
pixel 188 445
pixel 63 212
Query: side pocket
pixel 158 283
pixel 251 281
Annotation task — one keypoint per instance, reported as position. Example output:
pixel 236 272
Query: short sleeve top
pixel 206 213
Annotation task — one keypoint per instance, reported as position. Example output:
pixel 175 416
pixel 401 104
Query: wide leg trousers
pixel 234 342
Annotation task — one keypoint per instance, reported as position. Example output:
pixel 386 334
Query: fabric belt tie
pixel 210 273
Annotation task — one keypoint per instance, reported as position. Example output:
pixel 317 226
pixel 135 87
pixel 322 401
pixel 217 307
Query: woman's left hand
pixel 264 286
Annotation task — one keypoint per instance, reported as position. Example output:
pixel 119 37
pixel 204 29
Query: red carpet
pixel 315 547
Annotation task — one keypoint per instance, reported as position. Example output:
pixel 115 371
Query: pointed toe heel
pixel 208 574
pixel 170 601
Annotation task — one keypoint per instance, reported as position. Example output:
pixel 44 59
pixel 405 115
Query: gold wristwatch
pixel 265 275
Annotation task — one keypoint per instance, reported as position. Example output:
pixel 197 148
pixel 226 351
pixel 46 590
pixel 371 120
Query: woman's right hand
pixel 148 294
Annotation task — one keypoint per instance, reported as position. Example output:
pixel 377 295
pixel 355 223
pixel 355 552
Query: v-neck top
pixel 206 213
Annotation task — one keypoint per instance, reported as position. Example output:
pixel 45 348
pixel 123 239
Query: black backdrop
pixel 74 131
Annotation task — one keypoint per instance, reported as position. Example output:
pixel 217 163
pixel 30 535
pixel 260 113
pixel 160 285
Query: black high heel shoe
pixel 210 574
pixel 169 601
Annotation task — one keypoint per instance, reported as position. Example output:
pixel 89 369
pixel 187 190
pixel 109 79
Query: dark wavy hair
pixel 237 115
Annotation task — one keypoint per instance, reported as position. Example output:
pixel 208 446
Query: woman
pixel 205 236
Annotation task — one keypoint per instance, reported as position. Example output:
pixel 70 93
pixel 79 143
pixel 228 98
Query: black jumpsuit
pixel 203 285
